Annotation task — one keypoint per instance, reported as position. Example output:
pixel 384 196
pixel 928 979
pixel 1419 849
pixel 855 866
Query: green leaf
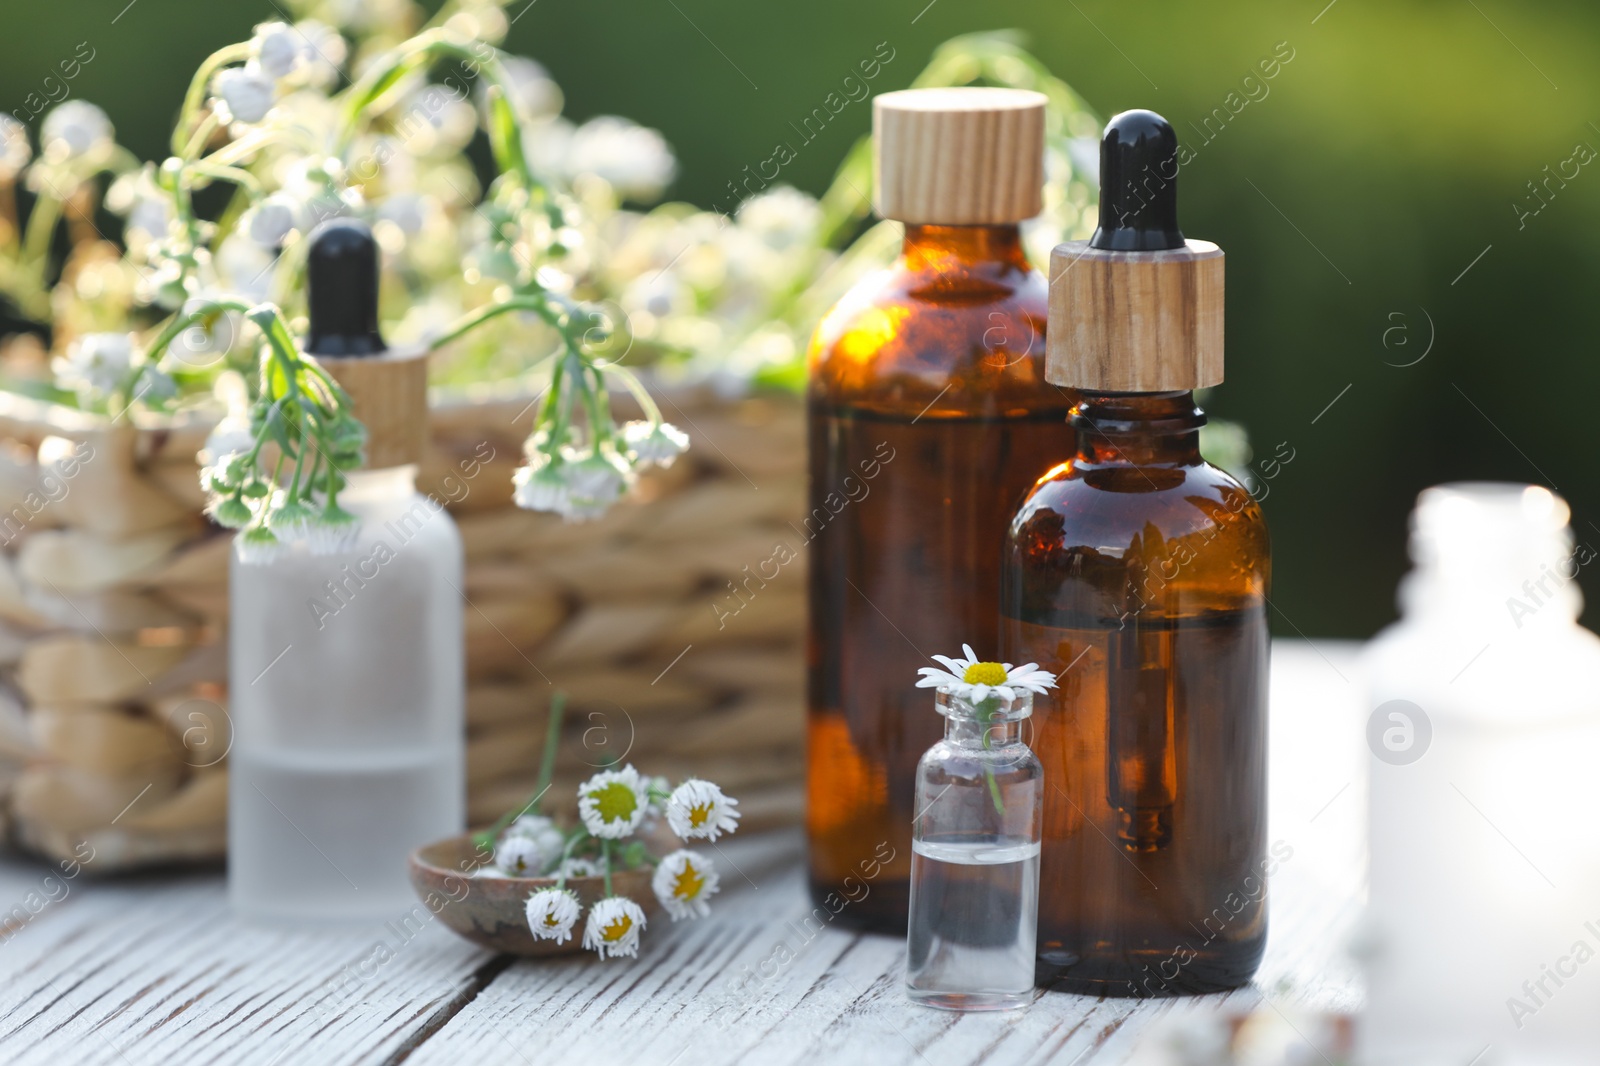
pixel 505 136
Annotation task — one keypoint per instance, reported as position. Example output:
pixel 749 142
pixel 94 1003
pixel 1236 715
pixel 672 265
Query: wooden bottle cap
pixel 958 157
pixel 389 393
pixel 1135 321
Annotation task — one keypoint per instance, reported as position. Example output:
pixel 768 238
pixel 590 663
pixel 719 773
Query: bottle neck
pixel 1138 428
pixel 384 484
pixel 971 733
pixel 950 248
pixel 1487 555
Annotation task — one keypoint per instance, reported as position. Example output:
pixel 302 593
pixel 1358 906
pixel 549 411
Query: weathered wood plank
pixel 155 969
pixel 837 997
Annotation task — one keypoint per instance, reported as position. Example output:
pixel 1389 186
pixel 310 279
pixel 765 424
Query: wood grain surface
pixel 154 969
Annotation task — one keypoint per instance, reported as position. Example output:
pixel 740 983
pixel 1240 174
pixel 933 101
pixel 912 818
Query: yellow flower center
pixel 698 814
pixel 616 802
pixel 985 674
pixel 617 929
pixel 550 920
pixel 689 882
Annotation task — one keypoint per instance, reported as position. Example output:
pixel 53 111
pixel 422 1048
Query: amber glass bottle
pixel 928 414
pixel 1138 572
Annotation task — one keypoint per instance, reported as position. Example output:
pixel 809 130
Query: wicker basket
pixel 674 623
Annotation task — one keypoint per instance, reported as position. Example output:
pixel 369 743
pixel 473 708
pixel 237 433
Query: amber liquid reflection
pixel 929 420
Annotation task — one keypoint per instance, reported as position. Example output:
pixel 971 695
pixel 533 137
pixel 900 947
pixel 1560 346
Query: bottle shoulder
pixel 1094 543
pixel 905 338
pixel 1107 505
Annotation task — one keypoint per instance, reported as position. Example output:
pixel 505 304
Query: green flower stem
pixel 41 228
pixel 547 768
pixel 242 178
pixel 180 322
pixel 198 86
pixel 640 393
pixel 202 136
pixel 578 836
pixel 552 740
pixel 605 857
pixel 986 711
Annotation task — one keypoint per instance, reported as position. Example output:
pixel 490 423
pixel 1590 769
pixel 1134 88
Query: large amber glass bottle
pixel 929 419
pixel 1138 573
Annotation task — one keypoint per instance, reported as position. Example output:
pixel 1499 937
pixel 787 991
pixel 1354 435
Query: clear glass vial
pixel 975 860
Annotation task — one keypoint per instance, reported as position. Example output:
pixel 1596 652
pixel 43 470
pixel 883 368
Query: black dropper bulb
pixel 342 290
pixel 1138 185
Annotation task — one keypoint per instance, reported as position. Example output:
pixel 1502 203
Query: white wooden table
pixel 154 969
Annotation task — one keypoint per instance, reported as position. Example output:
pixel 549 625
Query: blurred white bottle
pixel 347 678
pixel 1485 731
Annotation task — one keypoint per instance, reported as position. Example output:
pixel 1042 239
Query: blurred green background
pixel 1375 200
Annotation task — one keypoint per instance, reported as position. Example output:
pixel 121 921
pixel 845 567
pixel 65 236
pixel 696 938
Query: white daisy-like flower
pixel 612 803
pixel 552 912
pixel 544 834
pixel 579 867
pixel 613 927
pixel 654 443
pixel 277 48
pixel 245 268
pixel 97 362
pixel 634 159
pixel 699 809
pixel 541 485
pixel 595 481
pixel 75 129
pixel 323 53
pixel 247 92
pixel 270 222
pixel 973 680
pixel 683 882
pixel 15 152
pixel 332 532
pixel 519 856
pixel 257 546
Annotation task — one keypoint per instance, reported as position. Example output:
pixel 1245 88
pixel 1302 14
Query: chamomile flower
pixel 257 546
pixel 519 856
pixel 15 152
pixel 277 48
pixel 544 834
pixel 552 912
pixel 74 130
pixel 613 927
pixel 612 803
pixel 974 681
pixel 247 92
pixel 270 222
pixel 579 867
pixel 699 809
pixel 683 882
pixel 541 485
pixel 594 482
pixel 333 531
pixel 654 443
pixel 97 362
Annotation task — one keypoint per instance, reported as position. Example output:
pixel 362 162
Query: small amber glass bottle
pixel 1138 572
pixel 928 409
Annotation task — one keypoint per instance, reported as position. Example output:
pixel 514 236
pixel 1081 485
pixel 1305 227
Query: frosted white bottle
pixel 346 670
pixel 1485 734
pixel 347 711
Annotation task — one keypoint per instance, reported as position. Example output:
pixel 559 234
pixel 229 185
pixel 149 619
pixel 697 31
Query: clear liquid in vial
pixel 974 906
